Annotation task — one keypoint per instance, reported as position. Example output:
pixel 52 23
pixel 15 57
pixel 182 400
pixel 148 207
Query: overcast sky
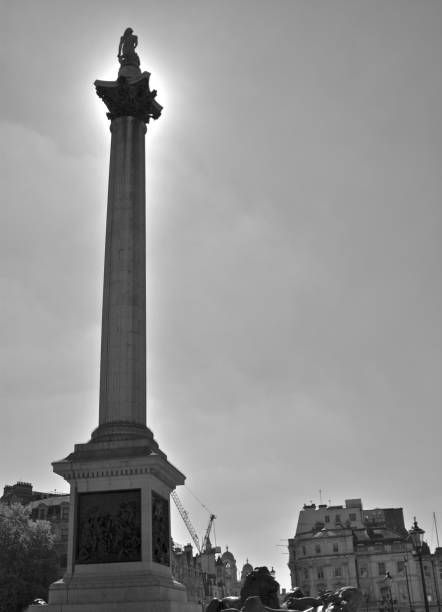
pixel 294 248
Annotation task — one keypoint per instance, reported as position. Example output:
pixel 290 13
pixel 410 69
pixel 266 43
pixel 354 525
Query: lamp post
pixel 436 586
pixel 417 538
pixel 408 583
pixel 367 599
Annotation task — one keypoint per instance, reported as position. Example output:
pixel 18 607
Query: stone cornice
pixel 129 97
pixel 154 464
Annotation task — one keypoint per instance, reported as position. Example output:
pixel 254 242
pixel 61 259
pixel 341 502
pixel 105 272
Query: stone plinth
pixel 119 531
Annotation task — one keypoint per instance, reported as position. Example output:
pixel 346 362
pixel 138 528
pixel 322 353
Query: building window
pixel 338 571
pixel 426 570
pixel 65 513
pixel 327 518
pixel 305 573
pixel 317 549
pixel 381 569
pixel 42 513
pixel 304 550
pixel 352 516
pixel 363 570
pixel 335 548
pixel 400 566
pixel 320 573
pixel 64 534
pixel 338 518
pixel 385 593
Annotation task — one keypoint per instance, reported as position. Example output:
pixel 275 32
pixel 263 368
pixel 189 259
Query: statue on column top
pixel 126 49
pixel 130 94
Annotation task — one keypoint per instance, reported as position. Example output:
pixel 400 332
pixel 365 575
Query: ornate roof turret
pixel 227 555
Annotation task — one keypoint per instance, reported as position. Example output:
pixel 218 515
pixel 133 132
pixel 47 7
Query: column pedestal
pixel 119 531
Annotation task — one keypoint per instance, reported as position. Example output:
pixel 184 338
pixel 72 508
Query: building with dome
pixel 247 569
pixel 226 580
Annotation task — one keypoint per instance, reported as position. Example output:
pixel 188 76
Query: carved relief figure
pixel 160 529
pixel 87 544
pixel 127 536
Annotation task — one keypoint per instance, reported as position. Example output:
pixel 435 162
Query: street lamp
pixel 408 582
pixel 367 599
pixel 435 584
pixel 417 539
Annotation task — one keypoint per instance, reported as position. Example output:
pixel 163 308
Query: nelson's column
pixel 120 481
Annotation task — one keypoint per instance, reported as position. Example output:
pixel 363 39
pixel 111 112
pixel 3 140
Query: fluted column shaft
pixel 123 337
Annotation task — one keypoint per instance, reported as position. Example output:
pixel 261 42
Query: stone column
pixel 131 105
pixel 123 337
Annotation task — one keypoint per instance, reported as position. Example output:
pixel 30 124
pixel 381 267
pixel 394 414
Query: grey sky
pixel 294 222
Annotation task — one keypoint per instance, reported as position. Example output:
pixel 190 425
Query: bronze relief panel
pixel 108 527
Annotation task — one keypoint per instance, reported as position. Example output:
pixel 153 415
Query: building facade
pixel 335 546
pixel 186 568
pixel 23 493
pixel 52 507
pixel 205 575
pixel 226 580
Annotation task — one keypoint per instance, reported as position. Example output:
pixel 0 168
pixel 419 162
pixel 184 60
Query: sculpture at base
pixel 296 600
pixel 346 599
pixel 261 583
pixel 223 605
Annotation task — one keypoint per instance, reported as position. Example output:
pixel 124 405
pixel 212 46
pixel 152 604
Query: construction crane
pixel 202 549
pixel 207 534
pixel 186 520
pixel 190 528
